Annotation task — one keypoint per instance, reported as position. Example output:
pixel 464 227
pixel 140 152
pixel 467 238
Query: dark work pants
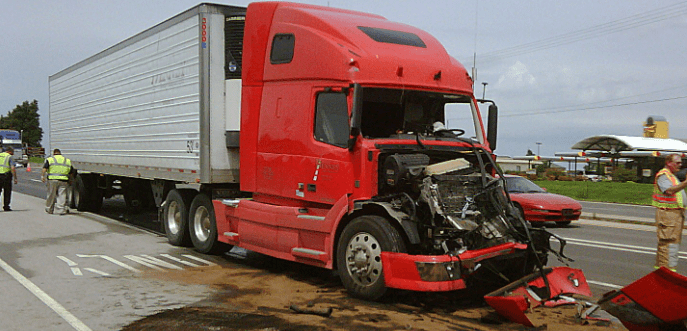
pixel 6 188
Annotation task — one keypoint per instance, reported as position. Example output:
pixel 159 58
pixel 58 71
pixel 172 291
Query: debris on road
pixel 324 312
pixel 653 302
pixel 553 285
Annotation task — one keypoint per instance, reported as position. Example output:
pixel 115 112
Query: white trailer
pixel 159 107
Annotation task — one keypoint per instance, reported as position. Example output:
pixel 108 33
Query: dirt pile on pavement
pixel 259 296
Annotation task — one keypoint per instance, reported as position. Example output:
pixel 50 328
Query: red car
pixel 538 206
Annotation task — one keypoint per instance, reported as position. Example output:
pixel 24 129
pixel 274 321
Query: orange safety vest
pixel 664 200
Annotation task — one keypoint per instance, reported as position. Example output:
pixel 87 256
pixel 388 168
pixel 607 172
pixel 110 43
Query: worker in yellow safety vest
pixel 669 199
pixel 56 170
pixel 7 172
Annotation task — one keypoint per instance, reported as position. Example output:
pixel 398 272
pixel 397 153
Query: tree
pixel 529 152
pixel 24 118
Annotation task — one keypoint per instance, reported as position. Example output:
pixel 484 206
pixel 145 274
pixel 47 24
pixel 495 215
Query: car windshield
pixel 522 185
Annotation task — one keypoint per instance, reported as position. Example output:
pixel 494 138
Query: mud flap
pixel 653 302
pixel 513 300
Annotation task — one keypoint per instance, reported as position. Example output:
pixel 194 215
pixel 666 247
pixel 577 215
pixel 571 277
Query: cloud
pixel 517 75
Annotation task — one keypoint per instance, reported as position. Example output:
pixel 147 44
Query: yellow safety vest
pixel 59 167
pixel 5 162
pixel 664 200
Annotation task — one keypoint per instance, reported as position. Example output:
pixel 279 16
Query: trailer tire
pixel 86 195
pixel 175 217
pixel 358 255
pixel 203 226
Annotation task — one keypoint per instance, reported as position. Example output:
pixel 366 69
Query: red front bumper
pixel 438 273
pixel 539 215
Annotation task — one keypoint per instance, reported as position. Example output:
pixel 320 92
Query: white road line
pixel 76 271
pixel 67 261
pixel 97 272
pixel 617 247
pixel 152 262
pixel 178 260
pixel 47 300
pixel 35 180
pixel 107 258
pixel 199 259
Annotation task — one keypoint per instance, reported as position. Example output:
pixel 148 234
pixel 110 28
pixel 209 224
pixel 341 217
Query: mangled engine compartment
pixel 457 206
pixel 452 202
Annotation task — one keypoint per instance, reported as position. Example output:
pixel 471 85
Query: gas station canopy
pixel 614 144
pixel 626 146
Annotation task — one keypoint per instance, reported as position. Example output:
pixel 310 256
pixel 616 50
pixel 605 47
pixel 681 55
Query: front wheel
pixel 358 255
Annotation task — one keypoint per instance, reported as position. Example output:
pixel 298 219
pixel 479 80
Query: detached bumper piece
pixel 438 273
pixel 513 300
pixel 653 302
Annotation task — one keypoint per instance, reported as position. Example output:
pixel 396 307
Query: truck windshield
pixel 391 113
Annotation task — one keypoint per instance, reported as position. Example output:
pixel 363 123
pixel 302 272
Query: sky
pixel 560 71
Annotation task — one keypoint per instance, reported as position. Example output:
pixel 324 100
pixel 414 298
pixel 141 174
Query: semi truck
pixel 12 138
pixel 324 136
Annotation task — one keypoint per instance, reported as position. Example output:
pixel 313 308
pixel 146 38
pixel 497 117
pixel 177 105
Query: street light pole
pixel 538 144
pixel 484 89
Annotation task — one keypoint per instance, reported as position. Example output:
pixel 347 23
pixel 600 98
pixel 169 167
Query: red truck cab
pixel 362 149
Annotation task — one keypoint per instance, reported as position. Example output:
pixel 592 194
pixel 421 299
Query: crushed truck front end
pixel 441 193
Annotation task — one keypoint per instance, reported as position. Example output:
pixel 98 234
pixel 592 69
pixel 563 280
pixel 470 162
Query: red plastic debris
pixel 513 300
pixel 653 302
pixel 513 308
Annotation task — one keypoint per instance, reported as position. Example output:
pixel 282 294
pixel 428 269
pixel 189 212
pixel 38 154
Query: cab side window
pixel 331 119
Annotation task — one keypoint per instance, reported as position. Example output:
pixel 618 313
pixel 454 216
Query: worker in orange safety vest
pixel 669 198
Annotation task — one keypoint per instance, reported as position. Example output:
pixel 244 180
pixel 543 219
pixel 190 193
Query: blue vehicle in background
pixel 12 138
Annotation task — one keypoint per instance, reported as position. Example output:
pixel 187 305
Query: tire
pixel 72 194
pixel 203 226
pixel 175 217
pixel 564 223
pixel 358 255
pixel 86 196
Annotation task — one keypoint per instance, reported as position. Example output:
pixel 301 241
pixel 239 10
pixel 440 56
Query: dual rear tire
pixel 189 219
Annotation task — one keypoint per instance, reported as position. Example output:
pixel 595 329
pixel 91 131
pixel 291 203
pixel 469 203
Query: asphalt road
pixel 86 265
pixel 30 182
pixel 617 210
pixel 83 271
pixel 612 254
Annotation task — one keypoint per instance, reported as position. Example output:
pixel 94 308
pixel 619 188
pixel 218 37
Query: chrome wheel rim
pixel 174 217
pixel 364 259
pixel 202 224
